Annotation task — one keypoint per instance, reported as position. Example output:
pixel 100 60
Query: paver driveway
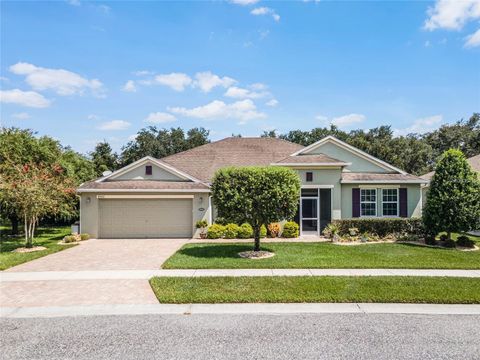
pixel 115 254
pixel 91 255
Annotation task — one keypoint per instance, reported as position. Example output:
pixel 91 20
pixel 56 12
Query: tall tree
pixel 152 141
pixel 104 158
pixel 257 195
pixel 453 201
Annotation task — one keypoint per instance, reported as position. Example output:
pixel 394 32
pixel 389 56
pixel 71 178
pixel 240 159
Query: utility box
pixel 75 227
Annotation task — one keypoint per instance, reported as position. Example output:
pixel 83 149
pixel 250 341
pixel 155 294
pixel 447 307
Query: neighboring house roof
pixel 203 161
pixel 314 159
pixel 145 185
pixel 354 178
pixel 474 162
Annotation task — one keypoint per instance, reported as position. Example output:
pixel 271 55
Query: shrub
pixel 84 236
pixel 331 230
pixel 380 227
pixel 215 231
pixel 443 237
pixel 231 231
pixel 263 231
pixel 245 231
pixel 273 229
pixel 200 224
pixel 449 243
pixel 290 230
pixel 465 241
pixel 221 221
pixel 353 231
pixel 71 238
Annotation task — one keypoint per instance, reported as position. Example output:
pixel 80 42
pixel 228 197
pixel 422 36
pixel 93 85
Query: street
pixel 305 336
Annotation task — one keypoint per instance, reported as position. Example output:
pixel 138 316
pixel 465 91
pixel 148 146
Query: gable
pixel 138 173
pixel 358 163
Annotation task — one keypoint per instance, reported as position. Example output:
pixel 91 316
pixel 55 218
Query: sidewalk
pixel 253 309
pixel 147 274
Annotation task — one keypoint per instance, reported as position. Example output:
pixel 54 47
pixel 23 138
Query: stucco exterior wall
pixel 158 173
pixel 89 210
pixel 414 198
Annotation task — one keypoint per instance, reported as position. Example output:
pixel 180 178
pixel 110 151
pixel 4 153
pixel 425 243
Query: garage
pixel 145 218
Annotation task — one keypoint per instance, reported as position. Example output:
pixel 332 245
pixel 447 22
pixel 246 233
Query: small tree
pixel 453 201
pixel 256 195
pixel 37 191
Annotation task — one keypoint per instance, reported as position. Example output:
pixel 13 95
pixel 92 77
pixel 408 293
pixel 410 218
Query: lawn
pixel 316 289
pixel 47 237
pixel 322 255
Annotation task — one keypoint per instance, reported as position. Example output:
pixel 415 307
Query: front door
pixel 309 215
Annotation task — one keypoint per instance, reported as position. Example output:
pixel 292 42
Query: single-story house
pixel 166 197
pixel 474 162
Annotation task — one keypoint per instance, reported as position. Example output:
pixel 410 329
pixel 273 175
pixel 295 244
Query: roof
pixel 350 177
pixel 146 185
pixel 312 159
pixel 203 161
pixel 474 162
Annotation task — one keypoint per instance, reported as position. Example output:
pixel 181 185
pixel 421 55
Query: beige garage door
pixel 145 218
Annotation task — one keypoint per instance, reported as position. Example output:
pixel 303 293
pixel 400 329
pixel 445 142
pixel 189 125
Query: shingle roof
pixel 350 177
pixel 143 185
pixel 203 161
pixel 474 162
pixel 310 159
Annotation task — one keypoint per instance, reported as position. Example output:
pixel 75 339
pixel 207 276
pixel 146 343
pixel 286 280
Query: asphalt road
pixel 322 336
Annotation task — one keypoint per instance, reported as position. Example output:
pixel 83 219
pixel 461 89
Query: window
pixel 309 176
pixel 148 170
pixel 390 202
pixel 368 202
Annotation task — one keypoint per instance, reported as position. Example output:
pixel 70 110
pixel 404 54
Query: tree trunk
pixel 449 235
pixel 256 235
pixel 14 221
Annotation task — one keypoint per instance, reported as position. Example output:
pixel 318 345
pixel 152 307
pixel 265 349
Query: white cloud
pixel 206 81
pixel 473 40
pixel 142 72
pixel 176 81
pixel 129 86
pixel 114 125
pixel 160 118
pixel 24 98
pixel 63 82
pixel 322 118
pixel 259 86
pixel 93 117
pixel 241 93
pixel 421 126
pixel 347 120
pixel 272 103
pixel 74 2
pixel 452 15
pixel 244 2
pixel 265 11
pixel 243 110
pixel 3 78
pixel 21 116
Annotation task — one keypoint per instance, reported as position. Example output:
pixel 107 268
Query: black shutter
pixel 355 202
pixel 403 202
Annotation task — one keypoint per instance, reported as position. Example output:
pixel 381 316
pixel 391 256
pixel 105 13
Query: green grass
pixel 456 235
pixel 316 289
pixel 47 237
pixel 322 255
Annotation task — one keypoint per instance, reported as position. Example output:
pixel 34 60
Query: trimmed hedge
pixel 215 231
pixel 231 231
pixel 290 230
pixel 381 226
pixel 245 231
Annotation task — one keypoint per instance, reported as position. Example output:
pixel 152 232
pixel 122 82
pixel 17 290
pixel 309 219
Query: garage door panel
pixel 145 218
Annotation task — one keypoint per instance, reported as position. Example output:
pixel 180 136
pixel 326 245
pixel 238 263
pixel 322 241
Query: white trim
pixel 382 181
pixel 142 190
pixel 312 164
pixel 312 186
pixel 380 186
pixel 391 202
pixel 143 160
pixel 369 202
pixel 145 196
pixel 350 148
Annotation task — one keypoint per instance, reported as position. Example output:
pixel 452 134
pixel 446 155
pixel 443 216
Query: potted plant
pixel 202 225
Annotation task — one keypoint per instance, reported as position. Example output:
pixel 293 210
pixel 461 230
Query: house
pixel 166 197
pixel 474 162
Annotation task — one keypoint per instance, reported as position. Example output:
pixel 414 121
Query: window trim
pixel 369 202
pixel 392 202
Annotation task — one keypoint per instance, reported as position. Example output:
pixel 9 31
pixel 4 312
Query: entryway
pixel 315 210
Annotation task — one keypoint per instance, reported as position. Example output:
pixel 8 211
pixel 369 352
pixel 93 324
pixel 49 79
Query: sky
pixel 83 72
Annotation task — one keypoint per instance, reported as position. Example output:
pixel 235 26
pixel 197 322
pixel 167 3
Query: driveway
pixel 111 254
pixel 91 255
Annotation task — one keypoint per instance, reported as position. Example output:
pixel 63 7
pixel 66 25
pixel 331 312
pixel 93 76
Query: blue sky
pixel 86 71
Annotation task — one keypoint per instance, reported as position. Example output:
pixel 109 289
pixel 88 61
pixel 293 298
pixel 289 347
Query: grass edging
pixel 308 289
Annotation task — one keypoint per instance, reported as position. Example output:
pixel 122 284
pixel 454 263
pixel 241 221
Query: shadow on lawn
pixel 217 251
